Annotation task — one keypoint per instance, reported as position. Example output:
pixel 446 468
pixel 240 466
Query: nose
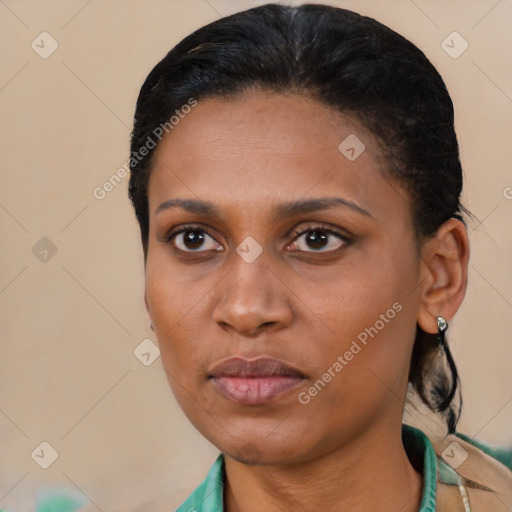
pixel 252 298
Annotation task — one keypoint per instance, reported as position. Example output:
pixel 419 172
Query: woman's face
pixel 284 290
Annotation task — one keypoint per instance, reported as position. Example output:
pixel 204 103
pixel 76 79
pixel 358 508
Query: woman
pixel 296 177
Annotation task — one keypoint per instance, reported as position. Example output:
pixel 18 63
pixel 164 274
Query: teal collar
pixel 208 497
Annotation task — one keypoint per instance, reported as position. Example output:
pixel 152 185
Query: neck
pixel 373 470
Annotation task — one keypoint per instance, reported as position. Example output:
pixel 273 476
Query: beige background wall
pixel 70 324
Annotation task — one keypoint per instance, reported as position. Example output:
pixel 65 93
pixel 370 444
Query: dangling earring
pixel 442 326
pixel 151 326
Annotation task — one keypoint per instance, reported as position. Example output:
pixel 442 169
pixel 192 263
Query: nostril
pixel 257 329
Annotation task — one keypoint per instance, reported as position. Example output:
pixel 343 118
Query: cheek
pixel 179 311
pixel 362 377
pixel 366 325
pixel 374 297
pixel 170 298
pixel 172 310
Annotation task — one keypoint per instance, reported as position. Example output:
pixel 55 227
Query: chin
pixel 252 449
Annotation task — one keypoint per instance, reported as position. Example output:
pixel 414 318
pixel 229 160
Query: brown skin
pixel 298 302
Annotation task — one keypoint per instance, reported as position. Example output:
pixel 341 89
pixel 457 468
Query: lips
pixel 254 381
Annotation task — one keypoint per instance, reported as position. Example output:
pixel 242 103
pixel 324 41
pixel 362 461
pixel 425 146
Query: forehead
pixel 261 148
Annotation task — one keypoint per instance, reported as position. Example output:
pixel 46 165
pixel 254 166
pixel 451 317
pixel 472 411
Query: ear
pixel 444 274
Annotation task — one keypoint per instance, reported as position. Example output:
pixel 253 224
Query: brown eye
pixel 319 239
pixel 193 240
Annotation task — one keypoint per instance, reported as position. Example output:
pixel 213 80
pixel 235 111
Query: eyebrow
pixel 288 209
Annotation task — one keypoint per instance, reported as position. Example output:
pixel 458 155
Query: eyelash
pixel 297 232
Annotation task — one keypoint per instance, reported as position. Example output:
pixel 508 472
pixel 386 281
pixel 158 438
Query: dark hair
pixel 350 63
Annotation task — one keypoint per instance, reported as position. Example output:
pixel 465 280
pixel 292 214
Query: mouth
pixel 254 381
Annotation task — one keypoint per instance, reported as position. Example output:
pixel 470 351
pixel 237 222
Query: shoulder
pixel 449 499
pixel 486 501
pixel 502 454
pixel 485 470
